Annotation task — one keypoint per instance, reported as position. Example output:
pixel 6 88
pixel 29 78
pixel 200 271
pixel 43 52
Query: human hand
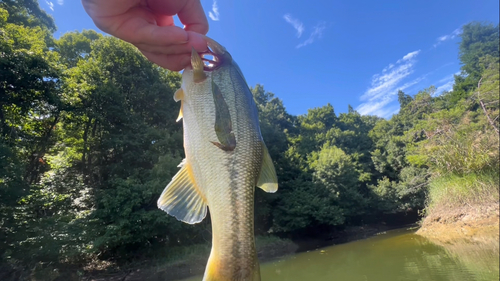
pixel 149 25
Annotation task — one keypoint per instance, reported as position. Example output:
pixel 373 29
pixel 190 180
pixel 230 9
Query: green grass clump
pixel 452 190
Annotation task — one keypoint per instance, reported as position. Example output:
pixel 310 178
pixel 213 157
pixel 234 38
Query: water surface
pixel 394 255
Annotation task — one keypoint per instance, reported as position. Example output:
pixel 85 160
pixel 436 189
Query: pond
pixel 392 255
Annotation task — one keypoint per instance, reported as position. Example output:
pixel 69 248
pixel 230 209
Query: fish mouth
pixel 215 57
pixel 210 61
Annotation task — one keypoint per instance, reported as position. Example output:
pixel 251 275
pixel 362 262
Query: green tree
pixel 403 99
pixel 337 172
pixel 75 46
pixel 275 125
pixel 479 40
pixel 28 13
pixel 306 209
pixel 123 119
pixel 30 88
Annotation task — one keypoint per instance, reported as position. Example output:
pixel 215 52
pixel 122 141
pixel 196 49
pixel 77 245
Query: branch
pixel 484 108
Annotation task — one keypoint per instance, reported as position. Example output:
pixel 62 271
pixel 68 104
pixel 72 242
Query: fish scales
pixel 223 176
pixel 238 170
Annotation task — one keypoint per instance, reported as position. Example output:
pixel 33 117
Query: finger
pixel 138 30
pixel 190 13
pixel 163 20
pixel 166 7
pixel 167 50
pixel 106 8
pixel 138 26
pixel 193 17
pixel 170 62
pixel 195 41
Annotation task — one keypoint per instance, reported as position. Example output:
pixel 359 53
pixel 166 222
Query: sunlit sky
pixel 310 53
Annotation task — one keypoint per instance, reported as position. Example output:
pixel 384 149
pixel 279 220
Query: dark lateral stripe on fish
pixel 223 125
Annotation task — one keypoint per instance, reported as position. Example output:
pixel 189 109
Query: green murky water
pixel 395 255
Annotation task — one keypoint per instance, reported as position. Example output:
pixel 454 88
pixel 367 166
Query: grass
pixel 451 190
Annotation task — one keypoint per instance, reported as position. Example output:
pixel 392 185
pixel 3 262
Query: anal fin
pixel 268 181
pixel 182 197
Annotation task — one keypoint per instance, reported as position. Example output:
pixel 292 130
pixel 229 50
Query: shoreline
pixel 189 267
pixel 471 222
pixel 271 251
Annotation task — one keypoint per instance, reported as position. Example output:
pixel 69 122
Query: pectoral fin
pixel 179 96
pixel 267 179
pixel 180 115
pixel 182 197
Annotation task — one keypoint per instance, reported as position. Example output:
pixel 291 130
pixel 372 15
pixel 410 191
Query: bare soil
pixel 474 223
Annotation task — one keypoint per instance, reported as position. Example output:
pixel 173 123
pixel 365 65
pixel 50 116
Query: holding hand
pixel 149 25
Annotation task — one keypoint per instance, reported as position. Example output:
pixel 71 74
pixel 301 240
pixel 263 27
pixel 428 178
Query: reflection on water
pixel 395 255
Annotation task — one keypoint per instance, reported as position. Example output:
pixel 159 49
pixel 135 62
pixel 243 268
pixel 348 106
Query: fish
pixel 226 158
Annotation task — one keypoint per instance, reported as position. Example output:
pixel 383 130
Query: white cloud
pixel 50 4
pixel 446 84
pixel 297 24
pixel 409 56
pixel 444 88
pixel 447 37
pixel 214 14
pixel 376 108
pixel 317 33
pixel 385 86
pixel 60 2
pixel 389 67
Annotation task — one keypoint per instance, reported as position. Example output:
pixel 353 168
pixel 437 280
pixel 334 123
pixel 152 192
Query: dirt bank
pixel 473 223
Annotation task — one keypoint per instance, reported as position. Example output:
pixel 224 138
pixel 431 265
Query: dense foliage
pixel 88 141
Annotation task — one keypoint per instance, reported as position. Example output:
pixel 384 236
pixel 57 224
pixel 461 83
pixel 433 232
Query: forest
pixel 88 141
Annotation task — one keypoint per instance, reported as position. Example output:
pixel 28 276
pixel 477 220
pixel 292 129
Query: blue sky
pixel 310 53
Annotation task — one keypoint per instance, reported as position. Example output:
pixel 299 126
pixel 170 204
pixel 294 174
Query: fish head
pixel 205 64
pixel 221 57
pixel 215 59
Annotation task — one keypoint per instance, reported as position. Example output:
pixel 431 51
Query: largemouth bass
pixel 225 159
